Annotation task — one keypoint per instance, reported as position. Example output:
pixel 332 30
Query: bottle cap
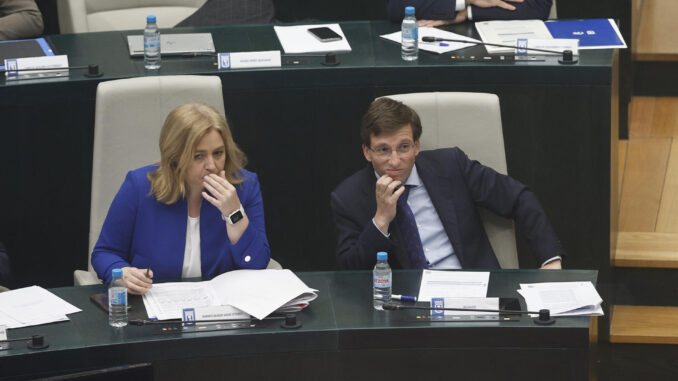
pixel 382 256
pixel 117 273
pixel 150 18
pixel 409 10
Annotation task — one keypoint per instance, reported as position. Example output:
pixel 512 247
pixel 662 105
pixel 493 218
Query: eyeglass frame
pixel 384 154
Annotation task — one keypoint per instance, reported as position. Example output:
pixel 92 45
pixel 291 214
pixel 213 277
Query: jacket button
pixel 247 258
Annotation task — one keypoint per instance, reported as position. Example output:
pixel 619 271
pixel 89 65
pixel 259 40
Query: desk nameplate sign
pixel 28 68
pixel 245 60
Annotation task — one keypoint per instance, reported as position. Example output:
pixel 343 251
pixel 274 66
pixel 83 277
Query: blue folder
pixel 590 33
pixel 34 47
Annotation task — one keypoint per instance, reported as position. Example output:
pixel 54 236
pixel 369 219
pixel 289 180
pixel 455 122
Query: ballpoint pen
pixel 148 269
pixel 404 297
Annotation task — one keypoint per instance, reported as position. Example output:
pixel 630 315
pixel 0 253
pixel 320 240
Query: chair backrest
pixel 472 122
pixel 128 118
pixel 80 16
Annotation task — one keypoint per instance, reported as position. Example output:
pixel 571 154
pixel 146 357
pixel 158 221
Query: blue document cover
pixel 592 34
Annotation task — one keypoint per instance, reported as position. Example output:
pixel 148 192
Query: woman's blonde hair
pixel 183 129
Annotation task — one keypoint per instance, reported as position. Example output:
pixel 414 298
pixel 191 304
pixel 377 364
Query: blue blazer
pixel 445 10
pixel 456 186
pixel 139 231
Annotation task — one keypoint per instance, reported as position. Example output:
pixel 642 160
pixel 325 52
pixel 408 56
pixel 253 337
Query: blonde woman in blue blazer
pixel 196 213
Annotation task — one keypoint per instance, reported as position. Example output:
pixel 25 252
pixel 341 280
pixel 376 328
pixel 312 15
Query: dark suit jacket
pixel 444 10
pixel 456 186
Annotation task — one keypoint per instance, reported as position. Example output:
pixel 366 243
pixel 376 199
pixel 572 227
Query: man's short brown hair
pixel 388 115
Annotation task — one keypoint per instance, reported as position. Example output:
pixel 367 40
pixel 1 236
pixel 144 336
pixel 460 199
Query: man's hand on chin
pixel 553 265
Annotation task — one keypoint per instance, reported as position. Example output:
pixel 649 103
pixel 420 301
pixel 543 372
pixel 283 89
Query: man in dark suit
pixel 420 207
pixel 442 12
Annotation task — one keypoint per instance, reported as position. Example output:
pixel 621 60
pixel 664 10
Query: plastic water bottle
pixel 117 300
pixel 409 47
pixel 151 44
pixel 381 281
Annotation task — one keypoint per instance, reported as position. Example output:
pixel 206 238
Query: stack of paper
pixel 256 292
pixel 435 47
pixel 506 32
pixel 32 306
pixel 562 298
pixel 298 40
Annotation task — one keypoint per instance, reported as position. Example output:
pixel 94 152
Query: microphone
pixel 567 57
pixel 544 317
pixel 92 70
pixel 34 342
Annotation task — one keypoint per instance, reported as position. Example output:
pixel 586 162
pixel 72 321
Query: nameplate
pixel 466 303
pixel 558 44
pixel 244 60
pixel 3 336
pixel 219 313
pixel 16 67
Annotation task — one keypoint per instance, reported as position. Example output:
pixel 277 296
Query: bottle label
pixel 381 281
pixel 118 297
pixel 412 33
pixel 151 42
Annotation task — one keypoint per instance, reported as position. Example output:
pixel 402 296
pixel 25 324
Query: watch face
pixel 235 217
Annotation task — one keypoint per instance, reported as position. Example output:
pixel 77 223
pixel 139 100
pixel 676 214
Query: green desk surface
pixel 341 319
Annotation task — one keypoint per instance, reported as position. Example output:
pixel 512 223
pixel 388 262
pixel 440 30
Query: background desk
pixel 342 337
pixel 299 126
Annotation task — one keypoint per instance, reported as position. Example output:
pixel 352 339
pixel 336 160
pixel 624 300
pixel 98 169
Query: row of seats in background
pixel 80 16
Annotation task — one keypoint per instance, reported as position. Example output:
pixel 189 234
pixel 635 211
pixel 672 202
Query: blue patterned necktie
pixel 408 227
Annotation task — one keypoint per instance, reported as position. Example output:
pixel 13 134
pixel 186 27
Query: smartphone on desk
pixel 324 34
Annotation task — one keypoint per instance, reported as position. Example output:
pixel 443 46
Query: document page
pixel 506 33
pixel 449 284
pixel 168 300
pixel 32 306
pixel 562 298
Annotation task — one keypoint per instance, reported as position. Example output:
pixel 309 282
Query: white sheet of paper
pixel 297 39
pixel 507 31
pixel 32 306
pixel 435 47
pixel 449 284
pixel 260 292
pixel 167 300
pixel 562 298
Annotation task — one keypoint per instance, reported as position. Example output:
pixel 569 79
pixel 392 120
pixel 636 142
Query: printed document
pixel 506 33
pixel 450 284
pixel 562 298
pixel 33 305
pixel 256 292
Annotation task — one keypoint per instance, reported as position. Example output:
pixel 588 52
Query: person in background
pixel 196 213
pixel 420 206
pixel 225 12
pixel 19 19
pixel 433 13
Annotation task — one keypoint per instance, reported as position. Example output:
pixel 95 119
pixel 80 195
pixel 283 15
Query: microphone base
pixel 567 62
pixel 549 321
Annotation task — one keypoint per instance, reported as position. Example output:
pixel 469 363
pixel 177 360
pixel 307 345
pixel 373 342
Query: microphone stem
pixel 492 44
pixel 464 309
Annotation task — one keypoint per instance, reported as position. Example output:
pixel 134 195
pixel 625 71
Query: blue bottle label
pixel 412 33
pixel 118 297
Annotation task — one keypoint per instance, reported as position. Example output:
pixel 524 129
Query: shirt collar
pixel 413 180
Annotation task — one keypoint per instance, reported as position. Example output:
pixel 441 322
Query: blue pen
pixel 404 297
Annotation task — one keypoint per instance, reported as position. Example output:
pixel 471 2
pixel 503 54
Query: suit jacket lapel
pixel 442 195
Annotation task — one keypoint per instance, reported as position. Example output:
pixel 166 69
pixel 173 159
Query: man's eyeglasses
pixel 386 151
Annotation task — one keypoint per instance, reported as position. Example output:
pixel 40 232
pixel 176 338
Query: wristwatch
pixel 235 216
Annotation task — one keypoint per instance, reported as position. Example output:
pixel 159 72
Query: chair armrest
pixel 84 278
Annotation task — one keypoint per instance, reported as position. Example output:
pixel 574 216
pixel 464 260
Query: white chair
pixel 472 122
pixel 80 16
pixel 128 118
